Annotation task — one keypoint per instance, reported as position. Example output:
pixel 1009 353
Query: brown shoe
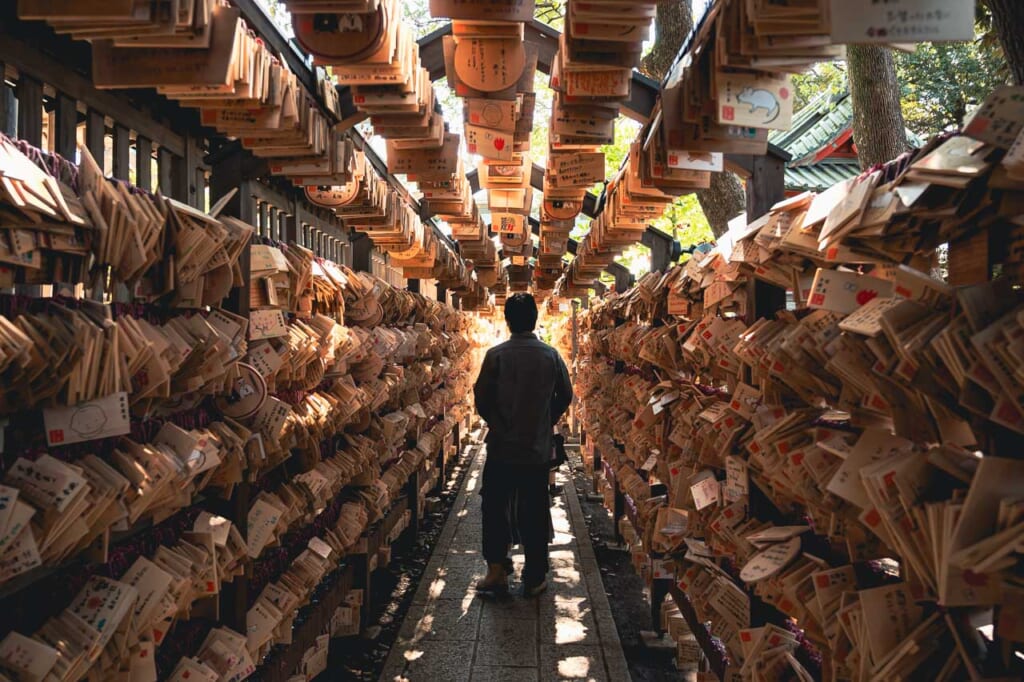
pixel 496 579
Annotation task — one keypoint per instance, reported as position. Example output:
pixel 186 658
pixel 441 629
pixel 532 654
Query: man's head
pixel 520 313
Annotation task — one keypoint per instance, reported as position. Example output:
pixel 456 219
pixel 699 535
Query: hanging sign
pixel 901 21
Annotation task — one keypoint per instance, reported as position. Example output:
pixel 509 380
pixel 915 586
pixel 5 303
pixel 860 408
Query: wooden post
pixel 95 135
pixel 291 229
pixel 362 247
pixel 30 110
pixel 226 175
pixel 66 128
pixel 8 106
pixel 766 186
pixel 122 152
pixel 144 162
pixel 199 183
pixel 190 170
pixel 265 228
pixel 179 177
pixel 164 163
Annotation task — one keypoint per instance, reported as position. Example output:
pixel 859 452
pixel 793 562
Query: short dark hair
pixel 521 313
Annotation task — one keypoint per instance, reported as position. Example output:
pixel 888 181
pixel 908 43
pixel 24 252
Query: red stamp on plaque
pixel 729 113
pixel 57 436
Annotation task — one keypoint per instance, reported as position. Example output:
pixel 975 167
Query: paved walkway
pixel 451 635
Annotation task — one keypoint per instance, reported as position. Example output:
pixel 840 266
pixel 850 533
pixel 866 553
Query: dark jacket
pixel 522 391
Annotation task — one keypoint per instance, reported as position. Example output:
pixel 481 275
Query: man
pixel 522 392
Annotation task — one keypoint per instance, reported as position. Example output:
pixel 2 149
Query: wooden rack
pixel 48 101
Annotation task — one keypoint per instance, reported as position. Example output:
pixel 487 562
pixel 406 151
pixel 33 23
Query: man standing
pixel 522 392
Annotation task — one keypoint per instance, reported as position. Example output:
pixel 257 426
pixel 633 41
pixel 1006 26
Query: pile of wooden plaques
pixel 634 197
pixel 184 24
pixel 372 51
pixel 490 66
pixel 726 91
pixel 47 225
pixel 316 355
pixel 245 92
pixel 50 231
pixel 117 624
pixel 733 85
pixel 136 415
pixel 368 203
pixel 591 76
pixel 850 466
pixel 213 63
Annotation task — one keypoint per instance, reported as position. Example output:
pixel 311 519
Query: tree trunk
pixel 672 23
pixel 725 199
pixel 878 128
pixel 1008 19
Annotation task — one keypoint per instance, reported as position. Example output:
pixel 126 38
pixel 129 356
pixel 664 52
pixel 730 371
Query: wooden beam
pixel 665 250
pixel 275 224
pixel 226 176
pixel 624 279
pixel 766 186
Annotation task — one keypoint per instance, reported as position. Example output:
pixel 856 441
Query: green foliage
pixel 416 13
pixel 279 14
pixel 551 12
pixel 614 154
pixel 942 82
pixel 637 259
pixel 684 219
pixel 541 118
pixel 822 77
pixel 450 103
pixel 582 227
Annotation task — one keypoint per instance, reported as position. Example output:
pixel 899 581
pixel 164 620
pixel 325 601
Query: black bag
pixel 558 456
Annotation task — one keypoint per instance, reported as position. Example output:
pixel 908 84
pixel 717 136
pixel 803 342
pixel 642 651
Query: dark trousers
pixel 517 506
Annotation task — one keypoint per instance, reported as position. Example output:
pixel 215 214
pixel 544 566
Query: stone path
pixel 451 635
